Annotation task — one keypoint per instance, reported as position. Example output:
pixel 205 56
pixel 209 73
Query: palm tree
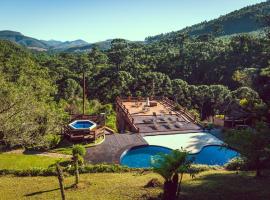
pixel 170 166
pixel 78 151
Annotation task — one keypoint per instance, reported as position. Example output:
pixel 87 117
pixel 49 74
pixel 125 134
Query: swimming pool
pixel 82 124
pixel 141 157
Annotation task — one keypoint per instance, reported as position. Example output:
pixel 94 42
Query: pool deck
pixel 115 144
pixel 192 142
pixel 113 147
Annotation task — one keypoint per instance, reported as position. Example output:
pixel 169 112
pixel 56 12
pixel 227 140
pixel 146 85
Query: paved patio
pixel 113 147
pixel 192 142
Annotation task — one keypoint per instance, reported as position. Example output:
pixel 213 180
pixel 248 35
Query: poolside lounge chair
pixel 145 109
pixel 154 126
pixel 148 121
pixel 167 126
pixel 170 119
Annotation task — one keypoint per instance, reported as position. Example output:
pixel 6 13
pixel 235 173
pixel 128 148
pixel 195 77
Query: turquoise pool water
pixel 82 124
pixel 140 157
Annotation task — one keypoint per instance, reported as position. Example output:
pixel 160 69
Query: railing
pixel 182 110
pixel 84 134
pixel 98 132
pixel 119 103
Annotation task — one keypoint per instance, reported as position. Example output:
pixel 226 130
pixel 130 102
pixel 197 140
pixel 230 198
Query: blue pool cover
pixel 140 157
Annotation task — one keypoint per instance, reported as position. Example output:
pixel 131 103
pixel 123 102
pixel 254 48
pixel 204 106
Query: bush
pixel 237 163
pixel 177 107
pixel 195 113
pixel 101 168
pixel 31 172
pixel 220 116
pixel 69 169
pixel 52 140
pixel 202 168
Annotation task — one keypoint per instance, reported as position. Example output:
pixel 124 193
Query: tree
pixel 61 181
pixel 180 91
pixel 169 166
pixel 78 151
pixel 253 144
pixel 250 96
pixel 97 57
pixel 71 89
pixel 154 82
pixel 118 52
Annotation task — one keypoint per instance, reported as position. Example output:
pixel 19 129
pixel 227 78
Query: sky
pixel 98 20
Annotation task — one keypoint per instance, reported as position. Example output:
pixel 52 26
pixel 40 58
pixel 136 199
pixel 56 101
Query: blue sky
pixel 97 20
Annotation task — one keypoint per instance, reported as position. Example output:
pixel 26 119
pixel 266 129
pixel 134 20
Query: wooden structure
pixel 85 135
pixel 237 116
pixel 134 115
pixel 231 121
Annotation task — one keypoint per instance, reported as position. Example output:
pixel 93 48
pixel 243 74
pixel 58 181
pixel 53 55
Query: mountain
pixel 244 20
pixel 103 45
pixel 39 45
pixel 22 40
pixel 58 45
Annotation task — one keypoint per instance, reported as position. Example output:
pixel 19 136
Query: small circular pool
pixel 140 157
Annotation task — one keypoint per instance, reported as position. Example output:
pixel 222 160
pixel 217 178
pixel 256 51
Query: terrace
pixel 152 116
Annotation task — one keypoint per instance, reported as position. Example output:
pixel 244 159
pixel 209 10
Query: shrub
pixel 195 113
pixel 30 172
pixel 237 163
pixel 220 116
pixel 202 168
pixel 177 107
pixel 52 140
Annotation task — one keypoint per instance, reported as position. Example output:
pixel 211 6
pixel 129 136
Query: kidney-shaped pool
pixel 140 157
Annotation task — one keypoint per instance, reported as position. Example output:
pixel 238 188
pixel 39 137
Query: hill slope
pixel 39 45
pixel 22 40
pixel 244 20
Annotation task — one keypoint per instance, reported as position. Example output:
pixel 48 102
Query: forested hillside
pixel 244 20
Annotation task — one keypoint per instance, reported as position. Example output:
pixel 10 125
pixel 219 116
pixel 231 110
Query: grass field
pixel 210 185
pixel 66 148
pixel 21 161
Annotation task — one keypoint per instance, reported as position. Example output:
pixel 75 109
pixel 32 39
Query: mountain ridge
pixel 244 20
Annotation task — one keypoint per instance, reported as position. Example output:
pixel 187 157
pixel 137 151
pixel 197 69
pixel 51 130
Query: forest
pixel 206 73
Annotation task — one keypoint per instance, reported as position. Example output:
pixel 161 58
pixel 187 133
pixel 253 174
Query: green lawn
pixel 210 185
pixel 66 147
pixel 21 161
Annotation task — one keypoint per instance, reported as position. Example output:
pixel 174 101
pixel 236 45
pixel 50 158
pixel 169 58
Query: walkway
pixel 192 142
pixel 112 148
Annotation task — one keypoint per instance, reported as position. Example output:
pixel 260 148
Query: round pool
pixel 141 157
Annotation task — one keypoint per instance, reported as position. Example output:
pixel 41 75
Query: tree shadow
pixel 46 191
pixel 223 186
